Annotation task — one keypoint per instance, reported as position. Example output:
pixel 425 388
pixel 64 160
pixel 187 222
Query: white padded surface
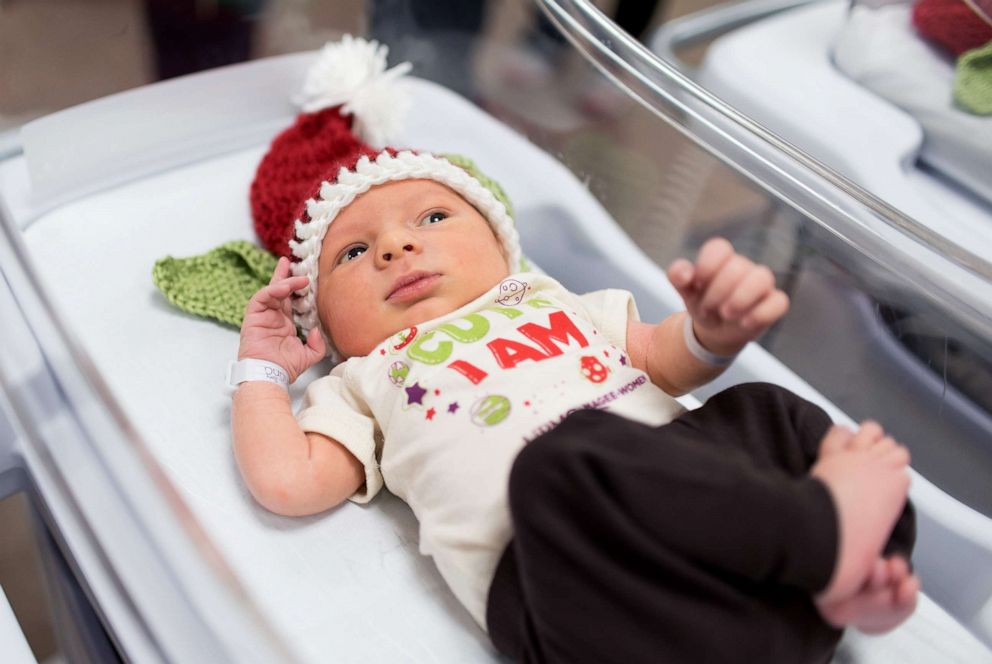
pixel 347 585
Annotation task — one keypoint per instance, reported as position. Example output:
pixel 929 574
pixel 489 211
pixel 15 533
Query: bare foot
pixel 837 439
pixel 887 598
pixel 868 481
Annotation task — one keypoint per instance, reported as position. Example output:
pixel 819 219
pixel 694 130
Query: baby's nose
pixel 390 254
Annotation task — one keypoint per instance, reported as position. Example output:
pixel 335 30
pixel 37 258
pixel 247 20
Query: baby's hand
pixel 268 332
pixel 731 299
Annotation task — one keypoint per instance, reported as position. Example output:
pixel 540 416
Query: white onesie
pixel 438 412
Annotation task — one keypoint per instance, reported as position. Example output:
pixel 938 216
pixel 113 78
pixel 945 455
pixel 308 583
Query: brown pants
pixel 699 541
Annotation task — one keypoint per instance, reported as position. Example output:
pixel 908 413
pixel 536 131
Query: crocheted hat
pixel 955 25
pixel 336 150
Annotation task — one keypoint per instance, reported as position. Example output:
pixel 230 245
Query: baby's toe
pixel 898 569
pixel 907 592
pixel 896 456
pixel 867 435
pixel 884 445
pixel 837 439
pixel 880 575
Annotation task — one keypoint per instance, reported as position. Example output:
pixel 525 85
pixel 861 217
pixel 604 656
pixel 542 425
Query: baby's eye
pixel 351 253
pixel 433 218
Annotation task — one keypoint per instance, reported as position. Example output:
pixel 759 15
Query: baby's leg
pixel 867 476
pixel 640 544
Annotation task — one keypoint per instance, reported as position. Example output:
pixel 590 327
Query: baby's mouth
pixel 411 286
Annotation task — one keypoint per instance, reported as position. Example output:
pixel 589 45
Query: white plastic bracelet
pixel 697 350
pixel 251 369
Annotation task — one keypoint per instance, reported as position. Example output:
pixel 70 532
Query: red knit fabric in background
pixel 951 24
pixel 313 149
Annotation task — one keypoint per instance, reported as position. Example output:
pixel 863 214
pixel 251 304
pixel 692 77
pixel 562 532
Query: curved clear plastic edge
pixel 139 553
pixel 958 281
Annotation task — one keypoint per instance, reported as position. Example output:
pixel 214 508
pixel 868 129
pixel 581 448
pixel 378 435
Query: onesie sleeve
pixel 332 409
pixel 610 310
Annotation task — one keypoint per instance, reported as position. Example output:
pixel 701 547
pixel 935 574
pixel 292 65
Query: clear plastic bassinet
pixel 113 417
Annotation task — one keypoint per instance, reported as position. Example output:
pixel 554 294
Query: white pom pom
pixel 352 73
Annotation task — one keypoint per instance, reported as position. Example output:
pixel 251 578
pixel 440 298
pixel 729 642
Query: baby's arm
pixel 289 471
pixel 730 301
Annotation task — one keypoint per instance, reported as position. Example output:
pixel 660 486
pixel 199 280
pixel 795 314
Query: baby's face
pixel 401 254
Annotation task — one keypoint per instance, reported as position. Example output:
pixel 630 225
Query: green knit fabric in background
pixel 466 164
pixel 469 166
pixel 217 284
pixel 973 80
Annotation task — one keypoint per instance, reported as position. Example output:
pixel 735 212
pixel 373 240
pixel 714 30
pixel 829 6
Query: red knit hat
pixel 326 159
pixel 955 25
pixel 291 171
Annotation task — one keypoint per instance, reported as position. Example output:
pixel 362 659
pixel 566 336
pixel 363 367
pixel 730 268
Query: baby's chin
pixel 418 314
pixel 415 314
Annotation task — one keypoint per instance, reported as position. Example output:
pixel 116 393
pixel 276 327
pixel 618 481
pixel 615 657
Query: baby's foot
pixel 885 600
pixel 836 440
pixel 868 481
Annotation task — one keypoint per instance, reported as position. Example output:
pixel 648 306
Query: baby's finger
pixel 753 288
pixel 281 271
pixel 282 289
pixel 724 282
pixel 712 256
pixel 263 299
pixel 766 312
pixel 293 284
pixel 316 348
pixel 681 273
pixel 274 295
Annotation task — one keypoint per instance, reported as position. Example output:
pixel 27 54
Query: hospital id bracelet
pixel 700 353
pixel 247 369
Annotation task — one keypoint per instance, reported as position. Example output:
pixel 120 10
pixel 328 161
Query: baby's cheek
pixel 345 318
pixel 350 336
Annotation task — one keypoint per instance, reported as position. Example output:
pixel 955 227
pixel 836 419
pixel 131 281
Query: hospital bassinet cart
pixel 114 418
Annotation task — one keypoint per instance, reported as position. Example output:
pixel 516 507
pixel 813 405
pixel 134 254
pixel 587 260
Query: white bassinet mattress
pixel 347 585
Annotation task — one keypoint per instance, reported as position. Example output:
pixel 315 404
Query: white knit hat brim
pixel 335 196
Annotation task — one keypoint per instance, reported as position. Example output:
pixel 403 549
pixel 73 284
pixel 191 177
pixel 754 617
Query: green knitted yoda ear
pixel 217 284
pixel 973 80
pixel 469 166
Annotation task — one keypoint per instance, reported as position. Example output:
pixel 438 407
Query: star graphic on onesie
pixel 430 414
pixel 623 360
pixel 453 407
pixel 415 394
